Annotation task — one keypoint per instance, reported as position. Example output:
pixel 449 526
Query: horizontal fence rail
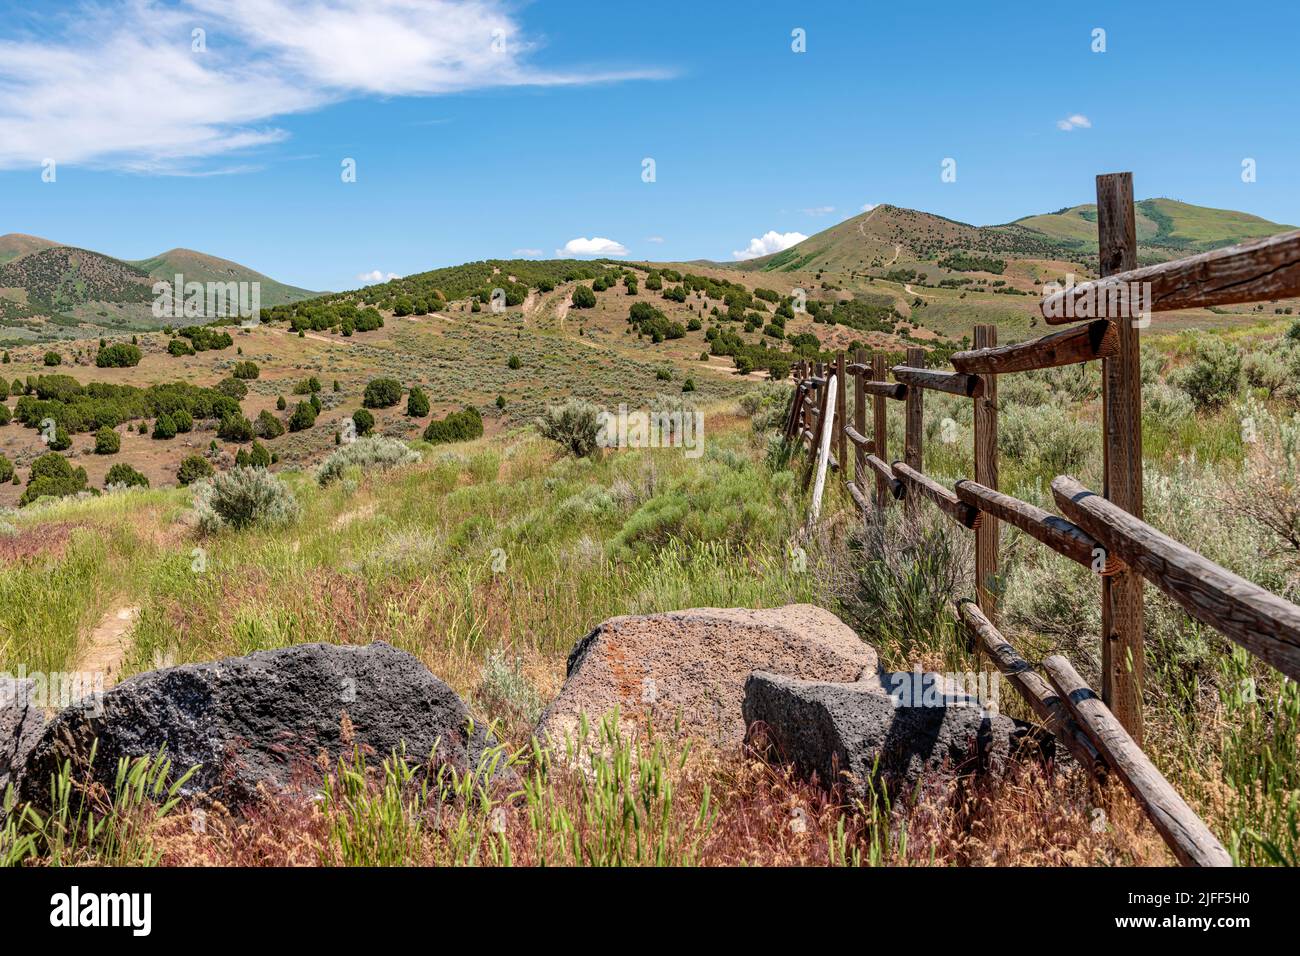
pixel 1103 532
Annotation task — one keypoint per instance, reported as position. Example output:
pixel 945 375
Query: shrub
pixel 513 363
pixel 1046 437
pixel 1214 377
pixel 164 427
pixel 6 469
pixel 235 428
pixel 246 371
pixel 258 456
pixel 60 441
pixel 243 497
pixel 6 416
pixel 53 358
pixel 118 355
pixel 364 421
pixel 123 475
pixel 308 386
pixel 107 442
pixel 233 388
pixel 584 297
pixel 267 425
pixel 575 425
pixel 52 475
pixel 303 417
pixel 1266 370
pixel 417 403
pixel 180 347
pixel 183 421
pixel 382 393
pixel 457 426
pixel 192 469
pixel 372 453
pixel 280 403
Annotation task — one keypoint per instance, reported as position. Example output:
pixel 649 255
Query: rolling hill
pixel 889 235
pixel 53 291
pixel 200 267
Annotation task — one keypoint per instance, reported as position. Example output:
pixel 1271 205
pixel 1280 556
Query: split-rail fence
pixel 1103 531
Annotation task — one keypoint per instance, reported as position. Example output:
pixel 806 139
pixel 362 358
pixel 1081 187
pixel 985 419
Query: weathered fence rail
pixel 1103 532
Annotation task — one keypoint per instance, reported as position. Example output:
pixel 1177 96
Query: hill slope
pixel 887 235
pixel 200 267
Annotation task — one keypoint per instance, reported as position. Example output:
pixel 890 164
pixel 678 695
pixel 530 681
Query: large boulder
pixel 688 668
pixel 263 722
pixel 21 723
pixel 897 728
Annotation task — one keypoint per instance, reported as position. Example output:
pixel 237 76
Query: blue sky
pixel 464 152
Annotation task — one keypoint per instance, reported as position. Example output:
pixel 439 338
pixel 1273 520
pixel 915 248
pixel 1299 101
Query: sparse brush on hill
pixel 123 475
pixel 457 426
pixel 118 355
pixel 52 474
pixel 244 497
pixel 374 452
pixel 574 426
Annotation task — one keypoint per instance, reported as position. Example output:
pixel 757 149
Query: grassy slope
pixel 200 267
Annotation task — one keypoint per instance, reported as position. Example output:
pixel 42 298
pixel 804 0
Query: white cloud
pixel 868 206
pixel 592 247
pixel 1074 121
pixel 657 240
pixel 819 211
pixel 375 275
pixel 528 253
pixel 769 243
pixel 117 83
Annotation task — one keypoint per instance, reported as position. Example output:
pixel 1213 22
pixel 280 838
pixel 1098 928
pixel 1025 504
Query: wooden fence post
pixel 880 430
pixel 915 415
pixel 1121 602
pixel 860 423
pixel 841 416
pixel 986 473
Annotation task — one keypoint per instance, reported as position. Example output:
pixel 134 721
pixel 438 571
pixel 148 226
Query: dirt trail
pixel 109 642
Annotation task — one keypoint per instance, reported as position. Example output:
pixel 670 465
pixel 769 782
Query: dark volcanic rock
pixel 21 723
pixel 831 729
pixel 264 720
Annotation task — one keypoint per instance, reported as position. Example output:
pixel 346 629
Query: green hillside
pixel 1165 223
pixel 200 267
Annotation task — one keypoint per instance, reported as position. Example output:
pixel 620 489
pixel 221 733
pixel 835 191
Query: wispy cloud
pixel 1074 121
pixel 868 206
pixel 596 246
pixel 769 243
pixel 119 84
pixel 657 240
pixel 377 275
pixel 528 253
pixel 819 211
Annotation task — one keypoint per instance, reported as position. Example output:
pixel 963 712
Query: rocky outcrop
pixel 263 722
pixel 902 728
pixel 688 668
pixel 21 723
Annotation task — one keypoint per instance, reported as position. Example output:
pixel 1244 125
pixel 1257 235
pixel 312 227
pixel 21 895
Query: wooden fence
pixel 1104 532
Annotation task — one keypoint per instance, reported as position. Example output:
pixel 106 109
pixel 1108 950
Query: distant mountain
pixel 49 277
pixel 57 279
pixel 16 244
pixel 889 235
pixel 200 267
pixel 1165 223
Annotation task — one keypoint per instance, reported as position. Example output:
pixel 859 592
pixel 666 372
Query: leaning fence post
pixel 860 422
pixel 841 416
pixel 915 415
pixel 880 430
pixel 1121 594
pixel 986 473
